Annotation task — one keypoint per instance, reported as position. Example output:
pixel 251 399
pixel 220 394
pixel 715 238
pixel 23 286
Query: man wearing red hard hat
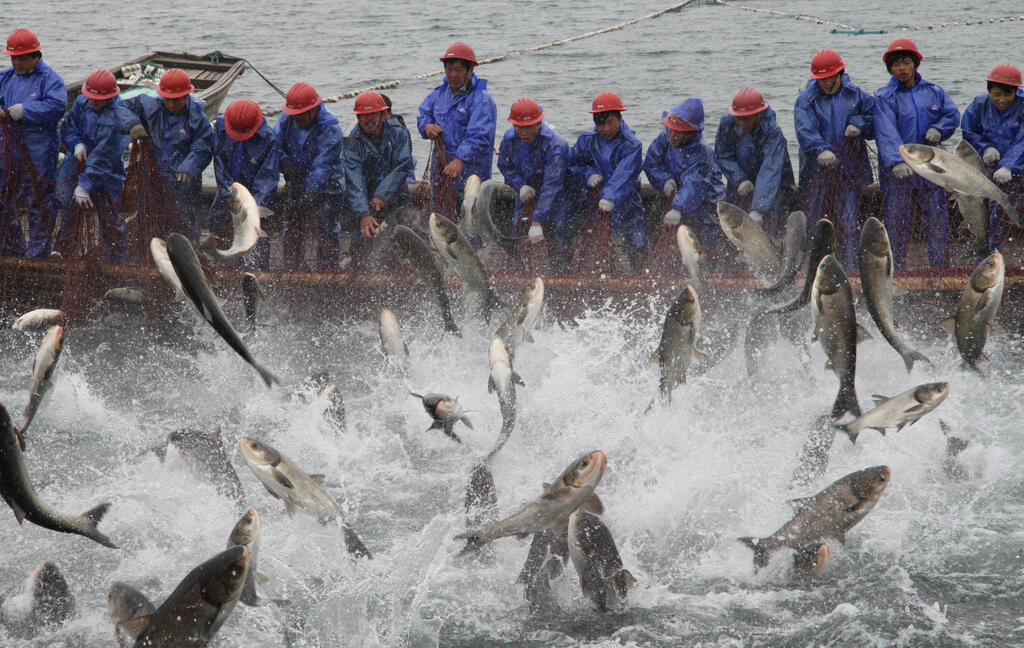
pixel 994 125
pixel 310 142
pixel 95 132
pixel 32 101
pixel 244 151
pixel 181 137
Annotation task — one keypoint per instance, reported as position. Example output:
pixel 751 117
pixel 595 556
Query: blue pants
pixel 34 193
pixel 898 200
pixel 830 195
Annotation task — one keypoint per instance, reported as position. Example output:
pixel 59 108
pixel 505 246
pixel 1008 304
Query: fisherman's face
pixel 679 138
pixel 609 128
pixel 24 63
pixel 904 70
pixel 175 106
pixel 98 104
pixel 831 85
pixel 371 123
pixel 527 134
pixel 306 119
pixel 1001 99
pixel 457 72
pixel 749 122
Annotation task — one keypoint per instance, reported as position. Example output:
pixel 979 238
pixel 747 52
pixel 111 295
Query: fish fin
pixel 490 385
pixel 318 479
pixel 266 212
pixel 851 432
pixel 863 334
pixel 133 627
pixel 268 378
pixel 879 399
pixel 290 508
pixel 437 425
pixel 416 395
pixel 466 421
pixel 353 544
pixel 262 578
pixel 760 553
pixel 593 504
pixel 882 429
pixel 524 535
pixel 473 542
pixel 696 354
pixel 801 504
pixel 655 357
pixel 96 513
pixel 949 325
pixel 628 579
pixel 995 328
pixel 21 438
pixel 913 356
pixel 282 479
pixel 841 537
pixel 93 516
pixel 828 365
pixel 261 234
pixel 899 291
pixel 19 514
pixel 517 379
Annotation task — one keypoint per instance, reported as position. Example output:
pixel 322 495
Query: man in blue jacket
pixel 463 116
pixel 534 160
pixel 750 149
pixel 32 101
pixel 994 126
pixel 181 137
pixel 834 118
pixel 609 159
pixel 311 146
pixel 911 110
pixel 378 159
pixel 244 151
pixel 681 165
pixel 96 132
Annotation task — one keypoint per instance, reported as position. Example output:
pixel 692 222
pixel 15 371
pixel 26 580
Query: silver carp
pixel 481 501
pixel 479 220
pixel 42 374
pixel 129 612
pixel 520 322
pixel 46 603
pixel 391 342
pixel 953 173
pixel 158 250
pixel 299 491
pixel 205 458
pixel 677 339
pixel 977 309
pixel 794 245
pixel 245 219
pixel 876 279
pixel 823 243
pixel 415 251
pixel 445 411
pixel 247 533
pixel 127 295
pixel 690 254
pixel 899 411
pixel 38 319
pixel 503 380
pixel 603 578
pixel 748 236
pixel 835 326
pixel 829 514
pixel 973 209
pixel 456 251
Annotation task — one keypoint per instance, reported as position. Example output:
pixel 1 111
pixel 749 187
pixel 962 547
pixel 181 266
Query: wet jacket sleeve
pixel 655 165
pixel 556 157
pixel 581 160
pixel 507 163
pixel 949 115
pixel 863 115
pixel 329 150
pixel 769 177
pixel 623 182
pixel 692 186
pixel 399 164
pixel 201 151
pixel 479 137
pixel 355 181
pixel 264 184
pixel 973 127
pixel 426 114
pixel 50 106
pixel 811 140
pixel 104 168
pixel 71 129
pixel 725 154
pixel 886 133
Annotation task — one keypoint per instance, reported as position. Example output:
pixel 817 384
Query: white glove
pixel 672 218
pixel 526 193
pixel 1003 175
pixel 670 187
pixel 826 158
pixel 991 155
pixel 536 234
pixel 852 131
pixel 932 136
pixel 606 205
pixel 80 152
pixel 901 171
pixel 745 188
pixel 82 197
pixel 16 112
pixel 756 216
pixel 594 180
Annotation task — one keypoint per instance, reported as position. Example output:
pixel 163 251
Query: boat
pixel 212 74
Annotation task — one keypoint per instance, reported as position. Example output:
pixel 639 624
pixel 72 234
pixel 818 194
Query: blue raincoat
pixel 619 160
pixel 543 165
pixel 105 136
pixel 984 126
pixel 468 125
pixel 373 170
pixel 821 122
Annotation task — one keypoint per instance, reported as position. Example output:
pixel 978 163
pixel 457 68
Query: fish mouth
pixel 592 476
pixel 916 152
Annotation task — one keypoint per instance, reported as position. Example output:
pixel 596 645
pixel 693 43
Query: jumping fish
pixel 391 342
pixel 421 260
pixel 794 244
pixel 898 411
pixel 38 319
pixel 603 578
pixel 245 219
pixel 835 326
pixel 973 209
pixel 677 339
pixel 455 249
pixel 129 612
pixel 977 309
pixel 748 236
pixel 823 243
pixel 445 411
pixel 690 254
pixel 520 322
pixel 953 173
pixel 42 373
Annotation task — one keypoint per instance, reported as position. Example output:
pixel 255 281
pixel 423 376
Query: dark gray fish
pixel 794 245
pixel 251 296
pixel 129 611
pixel 835 326
pixel 421 259
pixel 481 498
pixel 954 446
pixel 247 533
pixel 603 578
pixel 455 249
pixel 973 209
pixel 206 459
pixel 445 411
pixel 481 222
pixel 823 243
pixel 50 602
pixel 812 561
pixel 545 561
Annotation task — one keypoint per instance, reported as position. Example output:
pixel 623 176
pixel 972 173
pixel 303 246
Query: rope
pixel 772 12
pixel 216 56
pixel 268 112
pixel 990 21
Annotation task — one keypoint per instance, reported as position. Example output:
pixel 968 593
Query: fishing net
pixel 444 190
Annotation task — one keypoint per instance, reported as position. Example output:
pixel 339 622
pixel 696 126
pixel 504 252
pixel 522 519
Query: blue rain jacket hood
pixel 316 151
pixel 468 124
pixel 983 125
pixel 902 115
pixel 690 110
pixel 183 143
pixel 43 99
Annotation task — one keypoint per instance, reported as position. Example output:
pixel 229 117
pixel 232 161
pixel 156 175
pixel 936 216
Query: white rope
pixel 990 21
pixel 772 12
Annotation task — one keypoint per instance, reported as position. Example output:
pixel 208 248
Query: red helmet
pixel 22 41
pixel 101 84
pixel 607 101
pixel 175 84
pixel 902 45
pixel 746 102
pixel 677 123
pixel 300 98
pixel 242 119
pixel 525 112
pixel 1006 74
pixel 826 63
pixel 460 51
pixel 369 102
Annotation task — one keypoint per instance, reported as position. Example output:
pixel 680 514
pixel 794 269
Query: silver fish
pixel 42 373
pixel 690 254
pixel 829 514
pixel 480 221
pixel 503 380
pixel 973 209
pixel 205 458
pixel 421 260
pixel 898 411
pixel 977 309
pixel 823 243
pixel 516 328
pixel 245 219
pixel 481 498
pixel 246 533
pixel 445 411
pixel 748 236
pixel 603 578
pixel 835 326
pixel 127 295
pixel 158 250
pixel 794 245
pixel 953 173
pixel 459 254
pixel 38 319
pixel 391 342
pixel 677 339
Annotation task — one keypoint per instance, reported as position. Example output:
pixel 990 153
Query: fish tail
pixel 268 378
pixel 846 401
pixel 851 431
pixel 92 518
pixel 353 544
pixel 473 543
pixel 760 552
pixel 910 358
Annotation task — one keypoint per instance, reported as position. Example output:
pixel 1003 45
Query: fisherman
pixel 95 132
pixel 462 117
pixel 377 161
pixel 833 119
pixel 750 149
pixel 911 110
pixel 181 137
pixel 534 160
pixel 681 165
pixel 609 159
pixel 244 151
pixel 310 143
pixel 389 115
pixel 994 125
pixel 32 101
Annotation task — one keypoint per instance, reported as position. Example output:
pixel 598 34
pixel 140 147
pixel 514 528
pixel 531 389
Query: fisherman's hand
pixel 756 216
pixel 80 152
pixel 826 158
pixel 433 131
pixel 991 155
pixel 933 136
pixel 16 112
pixel 606 205
pixel 138 132
pixel 536 234
pixel 368 226
pixel 672 218
pixel 901 171
pixel 183 178
pixel 852 131
pixel 594 180
pixel 82 197
pixel 670 187
pixel 745 188
pixel 527 193
pixel 454 168
pixel 1003 175
pixel 377 204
